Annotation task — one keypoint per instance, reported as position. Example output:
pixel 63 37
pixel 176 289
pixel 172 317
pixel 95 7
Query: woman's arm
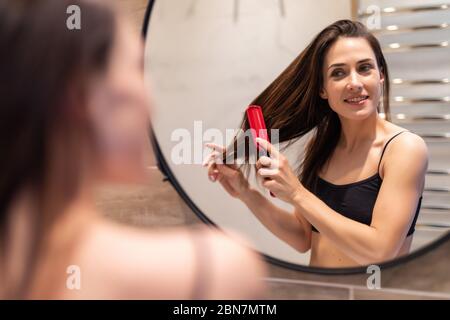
pixel 289 227
pixel 404 174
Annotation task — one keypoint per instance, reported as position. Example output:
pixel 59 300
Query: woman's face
pixel 352 81
pixel 119 111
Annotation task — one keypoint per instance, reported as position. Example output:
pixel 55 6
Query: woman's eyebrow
pixel 336 65
pixel 365 60
pixel 343 64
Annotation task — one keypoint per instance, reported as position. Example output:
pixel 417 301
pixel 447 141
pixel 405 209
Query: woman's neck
pixel 357 133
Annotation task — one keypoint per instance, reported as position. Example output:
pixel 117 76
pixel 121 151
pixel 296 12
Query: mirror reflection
pixel 354 96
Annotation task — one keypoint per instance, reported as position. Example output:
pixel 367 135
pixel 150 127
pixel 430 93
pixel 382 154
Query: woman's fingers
pixel 267 173
pixel 212 168
pixel 214 156
pixel 207 160
pixel 263 162
pixel 268 183
pixel 213 172
pixel 266 162
pixel 268 147
pixel 215 147
pixel 227 171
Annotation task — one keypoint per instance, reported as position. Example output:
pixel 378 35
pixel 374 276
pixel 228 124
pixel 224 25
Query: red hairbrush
pixel 257 126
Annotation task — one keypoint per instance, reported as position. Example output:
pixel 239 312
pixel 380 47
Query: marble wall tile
pixel 360 294
pixel 298 291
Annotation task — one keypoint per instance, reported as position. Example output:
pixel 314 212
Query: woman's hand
pixel 277 175
pixel 229 176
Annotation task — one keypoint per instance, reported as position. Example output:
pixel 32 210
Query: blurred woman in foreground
pixel 74 113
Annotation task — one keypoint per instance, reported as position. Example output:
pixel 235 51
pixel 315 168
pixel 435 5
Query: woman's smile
pixel 357 101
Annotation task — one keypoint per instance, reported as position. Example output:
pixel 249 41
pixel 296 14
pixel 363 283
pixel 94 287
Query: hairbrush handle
pixel 258 126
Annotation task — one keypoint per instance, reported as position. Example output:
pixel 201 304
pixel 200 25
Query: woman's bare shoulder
pixel 409 142
pixel 407 150
pixel 405 141
pixel 166 264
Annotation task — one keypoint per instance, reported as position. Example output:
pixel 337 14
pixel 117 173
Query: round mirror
pixel 207 60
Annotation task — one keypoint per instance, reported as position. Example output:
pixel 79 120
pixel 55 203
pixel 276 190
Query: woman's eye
pixel 337 73
pixel 365 67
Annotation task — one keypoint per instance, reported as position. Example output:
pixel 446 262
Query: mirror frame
pixel 169 176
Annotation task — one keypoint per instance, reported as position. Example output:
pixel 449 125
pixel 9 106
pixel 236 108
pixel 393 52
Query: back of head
pixel 45 70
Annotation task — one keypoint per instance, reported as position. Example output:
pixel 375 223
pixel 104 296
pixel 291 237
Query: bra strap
pixel 384 148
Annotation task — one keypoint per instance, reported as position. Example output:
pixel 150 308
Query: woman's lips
pixel 357 100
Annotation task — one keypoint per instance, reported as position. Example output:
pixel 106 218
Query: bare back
pixel 120 262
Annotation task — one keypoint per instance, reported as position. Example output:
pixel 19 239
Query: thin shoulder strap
pixel 384 148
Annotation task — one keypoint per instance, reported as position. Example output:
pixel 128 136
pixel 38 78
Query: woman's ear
pixel 381 76
pixel 323 94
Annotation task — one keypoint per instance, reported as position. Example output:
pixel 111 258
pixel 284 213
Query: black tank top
pixel 356 200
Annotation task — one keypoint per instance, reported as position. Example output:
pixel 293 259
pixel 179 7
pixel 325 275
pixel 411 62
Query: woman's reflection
pixel 358 194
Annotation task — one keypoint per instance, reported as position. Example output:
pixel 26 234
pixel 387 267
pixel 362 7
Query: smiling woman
pixel 352 206
pixel 354 79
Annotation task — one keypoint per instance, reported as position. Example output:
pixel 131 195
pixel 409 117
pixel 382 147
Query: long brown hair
pixel 45 71
pixel 292 104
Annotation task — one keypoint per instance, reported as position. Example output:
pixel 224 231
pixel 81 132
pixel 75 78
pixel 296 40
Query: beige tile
pixel 276 271
pixel 153 204
pixel 388 295
pixel 294 291
pixel 429 272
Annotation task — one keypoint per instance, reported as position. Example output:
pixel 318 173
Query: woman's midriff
pixel 326 255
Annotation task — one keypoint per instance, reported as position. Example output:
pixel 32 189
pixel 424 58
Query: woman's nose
pixel 354 84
